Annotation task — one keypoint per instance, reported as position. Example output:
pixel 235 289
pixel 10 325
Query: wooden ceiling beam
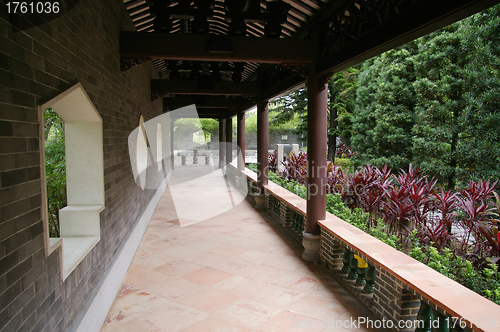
pixel 215 48
pixel 174 103
pixel 204 113
pixel 187 87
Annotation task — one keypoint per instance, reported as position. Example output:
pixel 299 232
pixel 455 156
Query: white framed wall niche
pixel 79 221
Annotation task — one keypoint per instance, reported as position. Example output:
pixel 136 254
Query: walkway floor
pixel 233 272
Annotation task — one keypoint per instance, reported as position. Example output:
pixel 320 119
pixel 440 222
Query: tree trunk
pixel 332 136
pixel 453 151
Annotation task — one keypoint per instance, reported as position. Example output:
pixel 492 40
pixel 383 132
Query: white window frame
pixel 80 222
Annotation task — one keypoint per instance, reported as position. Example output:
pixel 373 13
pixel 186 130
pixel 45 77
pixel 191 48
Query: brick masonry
pixel 36 65
pixel 283 214
pixel 391 300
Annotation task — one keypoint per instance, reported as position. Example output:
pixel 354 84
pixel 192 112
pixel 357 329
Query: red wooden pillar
pixel 262 145
pixel 172 147
pixel 241 141
pixel 229 140
pixel 317 95
pixel 222 143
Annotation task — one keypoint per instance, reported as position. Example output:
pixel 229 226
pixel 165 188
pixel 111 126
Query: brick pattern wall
pixel 285 216
pixel 391 299
pixel 36 65
pixel 331 255
pixel 331 251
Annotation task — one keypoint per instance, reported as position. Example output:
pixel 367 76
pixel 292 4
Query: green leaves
pixel 55 168
pixel 435 102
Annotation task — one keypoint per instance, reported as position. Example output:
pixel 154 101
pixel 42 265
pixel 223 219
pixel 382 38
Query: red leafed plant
pixel 371 197
pixel 356 186
pixel 492 235
pixel 272 160
pixel 343 151
pixel 335 178
pixel 445 202
pixel 435 232
pixel 294 167
pixel 409 204
pixel 475 211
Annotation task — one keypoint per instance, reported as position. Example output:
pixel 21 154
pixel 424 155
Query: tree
pixel 457 118
pixel 286 108
pixel 209 127
pixel 342 100
pixel 342 92
pixel 55 168
pixel 384 114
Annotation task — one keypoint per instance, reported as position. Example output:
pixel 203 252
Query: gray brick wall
pixel 36 65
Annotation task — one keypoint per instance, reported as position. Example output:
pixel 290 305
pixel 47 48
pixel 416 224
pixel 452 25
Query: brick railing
pixel 393 285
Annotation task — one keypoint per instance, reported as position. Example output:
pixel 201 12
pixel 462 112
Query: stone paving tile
pixel 231 273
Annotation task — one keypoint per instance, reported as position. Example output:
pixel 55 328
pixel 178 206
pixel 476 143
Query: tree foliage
pixel 434 102
pixel 288 108
pixel 342 100
pixel 55 168
pixel 384 113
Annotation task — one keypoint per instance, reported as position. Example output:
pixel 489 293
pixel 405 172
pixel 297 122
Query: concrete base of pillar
pixel 260 201
pixel 222 164
pixel 311 243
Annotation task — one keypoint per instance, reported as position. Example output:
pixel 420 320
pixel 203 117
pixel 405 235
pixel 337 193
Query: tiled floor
pixel 233 272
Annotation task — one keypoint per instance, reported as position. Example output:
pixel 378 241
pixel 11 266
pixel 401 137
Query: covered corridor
pixel 109 70
pixel 237 271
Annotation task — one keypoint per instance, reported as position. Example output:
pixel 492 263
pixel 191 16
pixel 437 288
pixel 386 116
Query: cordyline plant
pixel 492 234
pixel 370 190
pixel 357 184
pixel 475 211
pixel 335 178
pixel 294 167
pixel 343 151
pixel 411 201
pixel 400 207
pixel 436 228
pixel 272 160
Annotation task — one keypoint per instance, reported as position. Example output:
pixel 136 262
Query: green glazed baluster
pixel 443 323
pixel 457 328
pixel 370 280
pixel 353 275
pixel 362 267
pixel 425 315
pixel 347 261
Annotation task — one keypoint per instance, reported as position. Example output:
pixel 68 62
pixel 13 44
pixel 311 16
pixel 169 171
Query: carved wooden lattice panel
pixel 360 17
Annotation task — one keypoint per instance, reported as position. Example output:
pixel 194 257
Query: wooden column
pixel 262 144
pixel 241 141
pixel 229 140
pixel 172 147
pixel 317 95
pixel 222 143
